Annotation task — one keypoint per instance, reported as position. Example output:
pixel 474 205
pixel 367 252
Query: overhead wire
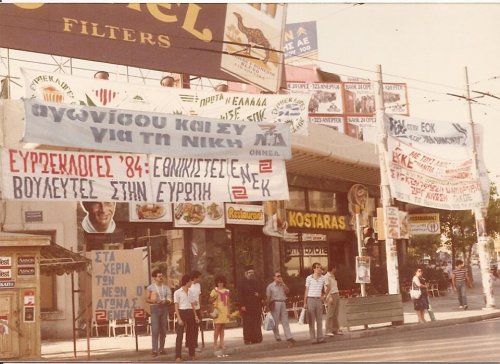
pixel 370 71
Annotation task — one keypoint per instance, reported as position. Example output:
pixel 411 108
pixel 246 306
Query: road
pixel 471 342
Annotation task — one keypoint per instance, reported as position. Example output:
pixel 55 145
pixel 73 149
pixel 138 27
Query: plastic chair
pixel 100 320
pixel 126 324
pixel 433 289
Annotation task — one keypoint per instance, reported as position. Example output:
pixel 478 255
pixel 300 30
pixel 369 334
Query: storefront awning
pixel 56 259
pixel 328 154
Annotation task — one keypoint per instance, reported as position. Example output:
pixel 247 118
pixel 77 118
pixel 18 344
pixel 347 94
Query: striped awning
pixel 55 259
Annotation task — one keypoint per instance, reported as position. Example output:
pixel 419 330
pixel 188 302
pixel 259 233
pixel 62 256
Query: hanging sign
pixel 256 108
pixel 132 131
pixel 40 175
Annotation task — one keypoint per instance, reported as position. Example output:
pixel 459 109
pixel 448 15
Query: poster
pixel 117 282
pixel 199 215
pixel 153 212
pixel 252 44
pixel 362 269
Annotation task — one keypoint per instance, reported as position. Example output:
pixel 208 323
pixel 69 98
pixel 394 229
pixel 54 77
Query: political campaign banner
pixel 428 180
pixel 117 282
pixel 435 136
pixel 121 130
pixel 41 175
pixel 252 43
pixel 259 108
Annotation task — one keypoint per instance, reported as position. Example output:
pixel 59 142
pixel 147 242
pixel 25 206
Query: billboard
pixel 178 37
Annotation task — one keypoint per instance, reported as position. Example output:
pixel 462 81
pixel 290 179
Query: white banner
pixel 153 133
pixel 438 170
pixel 422 179
pixel 434 136
pixel 39 175
pixel 262 108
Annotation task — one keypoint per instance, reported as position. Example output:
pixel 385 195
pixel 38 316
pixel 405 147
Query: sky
pixel 426 46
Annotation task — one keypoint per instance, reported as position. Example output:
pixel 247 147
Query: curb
pixel 207 354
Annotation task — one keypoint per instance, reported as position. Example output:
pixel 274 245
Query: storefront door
pixel 9 325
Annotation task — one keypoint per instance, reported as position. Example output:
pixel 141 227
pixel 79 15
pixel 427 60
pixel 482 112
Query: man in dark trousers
pixel 251 307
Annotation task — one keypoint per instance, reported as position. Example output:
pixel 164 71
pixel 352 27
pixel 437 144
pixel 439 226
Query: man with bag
pixel 276 293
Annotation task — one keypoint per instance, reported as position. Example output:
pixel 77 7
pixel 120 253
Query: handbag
pixel 268 323
pixel 302 316
pixel 214 313
pixel 415 293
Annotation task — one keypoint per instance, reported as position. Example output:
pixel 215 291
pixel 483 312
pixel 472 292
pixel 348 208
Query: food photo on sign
pixel 150 212
pixel 206 215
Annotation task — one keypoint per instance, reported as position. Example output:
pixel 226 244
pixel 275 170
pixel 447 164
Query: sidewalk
pixel 123 348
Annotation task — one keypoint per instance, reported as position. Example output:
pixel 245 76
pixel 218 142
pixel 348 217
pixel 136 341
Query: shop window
pixel 297 200
pixel 322 201
pixel 300 257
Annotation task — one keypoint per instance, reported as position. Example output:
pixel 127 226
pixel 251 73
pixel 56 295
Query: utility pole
pixel 390 246
pixel 482 238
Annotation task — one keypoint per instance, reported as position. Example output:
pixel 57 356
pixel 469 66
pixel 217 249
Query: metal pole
pixel 479 217
pixel 390 246
pixel 360 248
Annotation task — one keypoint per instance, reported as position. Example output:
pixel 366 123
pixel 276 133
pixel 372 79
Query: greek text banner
pixel 426 180
pixel 38 175
pixel 262 108
pixel 146 132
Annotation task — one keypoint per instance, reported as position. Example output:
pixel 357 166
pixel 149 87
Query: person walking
pixel 158 295
pixel 460 280
pixel 251 307
pixel 332 303
pixel 219 297
pixel 422 303
pixel 313 302
pixel 195 289
pixel 276 292
pixel 186 318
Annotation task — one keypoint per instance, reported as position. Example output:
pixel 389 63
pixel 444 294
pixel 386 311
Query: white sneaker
pixel 460 306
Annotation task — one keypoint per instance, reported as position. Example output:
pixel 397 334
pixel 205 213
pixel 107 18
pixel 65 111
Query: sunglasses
pixel 278 275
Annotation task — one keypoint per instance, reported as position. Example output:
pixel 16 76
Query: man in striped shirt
pixel 459 279
pixel 313 302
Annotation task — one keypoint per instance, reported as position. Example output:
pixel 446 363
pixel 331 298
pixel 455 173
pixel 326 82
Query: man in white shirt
pixel 186 318
pixel 313 302
pixel 195 289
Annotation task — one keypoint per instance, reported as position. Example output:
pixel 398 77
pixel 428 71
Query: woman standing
pixel 219 297
pixel 421 304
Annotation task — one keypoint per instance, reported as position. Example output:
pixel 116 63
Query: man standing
pixel 332 303
pixel 251 307
pixel 195 290
pixel 158 296
pixel 276 300
pixel 186 318
pixel 459 279
pixel 313 302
